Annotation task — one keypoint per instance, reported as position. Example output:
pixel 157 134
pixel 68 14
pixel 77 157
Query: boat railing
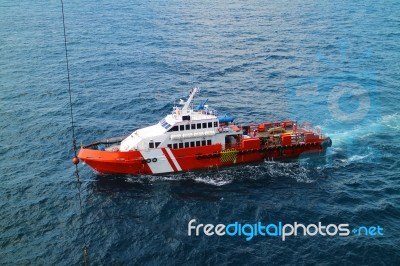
pixel 104 143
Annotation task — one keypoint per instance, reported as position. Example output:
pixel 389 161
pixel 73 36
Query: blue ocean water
pixel 257 60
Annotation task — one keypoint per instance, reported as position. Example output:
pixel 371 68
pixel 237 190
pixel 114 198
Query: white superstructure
pixel 185 127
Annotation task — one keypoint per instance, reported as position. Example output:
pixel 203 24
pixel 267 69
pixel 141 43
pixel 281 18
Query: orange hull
pixel 187 159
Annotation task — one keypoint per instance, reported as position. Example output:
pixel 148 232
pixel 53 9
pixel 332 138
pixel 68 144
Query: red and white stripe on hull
pixel 157 161
pixel 166 160
pixel 171 159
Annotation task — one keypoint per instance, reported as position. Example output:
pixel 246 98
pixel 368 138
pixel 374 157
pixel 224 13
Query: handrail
pixel 107 141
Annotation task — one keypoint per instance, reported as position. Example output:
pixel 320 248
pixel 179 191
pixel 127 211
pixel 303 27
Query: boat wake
pixel 240 173
pixel 359 144
pixel 214 178
pixel 391 121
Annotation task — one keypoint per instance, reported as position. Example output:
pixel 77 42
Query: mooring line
pixel 75 159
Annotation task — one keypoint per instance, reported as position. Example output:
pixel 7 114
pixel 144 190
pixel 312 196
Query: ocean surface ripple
pixel 130 61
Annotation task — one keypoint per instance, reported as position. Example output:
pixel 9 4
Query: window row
pixel 194 126
pixel 190 144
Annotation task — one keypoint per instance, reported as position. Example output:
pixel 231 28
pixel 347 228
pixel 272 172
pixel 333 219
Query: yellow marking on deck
pixel 228 155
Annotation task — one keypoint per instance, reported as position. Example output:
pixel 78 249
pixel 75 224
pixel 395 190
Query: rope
pixel 78 182
pixel 69 82
pixel 85 251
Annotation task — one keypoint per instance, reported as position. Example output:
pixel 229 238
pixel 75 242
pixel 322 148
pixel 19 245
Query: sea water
pixel 334 65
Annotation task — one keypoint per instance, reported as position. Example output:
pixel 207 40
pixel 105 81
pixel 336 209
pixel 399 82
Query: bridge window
pixel 203 143
pixel 186 144
pixel 180 145
pixel 187 127
pixel 151 145
pixel 182 127
pixel 192 144
pixel 210 124
pixel 193 126
pixel 158 144
pixel 215 124
pixel 198 143
pixel 204 125
pixel 169 146
pixel 165 124
pixel 175 128
pixel 175 145
pixel 209 142
pixel 199 126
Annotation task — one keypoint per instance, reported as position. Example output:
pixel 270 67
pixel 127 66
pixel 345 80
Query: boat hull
pixel 167 160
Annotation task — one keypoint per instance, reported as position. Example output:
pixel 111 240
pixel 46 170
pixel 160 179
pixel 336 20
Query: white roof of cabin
pixel 151 131
pixel 172 118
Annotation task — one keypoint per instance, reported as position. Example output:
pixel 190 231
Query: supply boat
pixel 195 138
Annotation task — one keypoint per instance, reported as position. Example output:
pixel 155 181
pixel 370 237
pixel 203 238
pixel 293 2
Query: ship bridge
pixel 184 122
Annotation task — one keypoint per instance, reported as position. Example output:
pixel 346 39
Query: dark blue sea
pixel 333 64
